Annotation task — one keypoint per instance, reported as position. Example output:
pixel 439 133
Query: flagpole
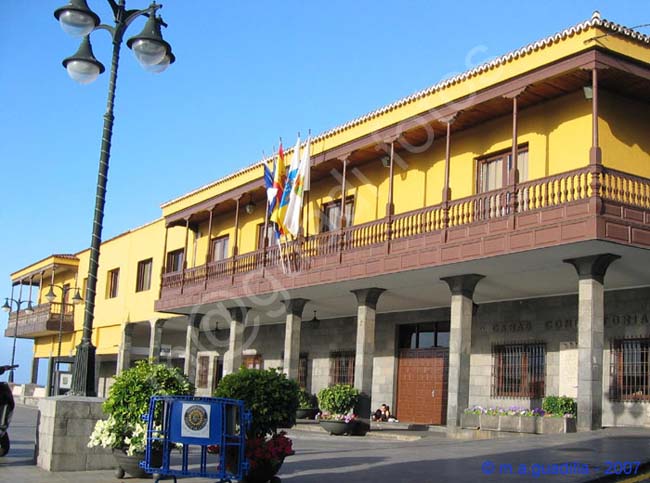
pixel 265 240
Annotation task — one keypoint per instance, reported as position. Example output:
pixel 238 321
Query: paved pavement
pixel 584 456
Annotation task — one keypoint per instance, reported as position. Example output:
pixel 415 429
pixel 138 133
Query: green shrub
pixel 560 405
pixel 306 400
pixel 128 400
pixel 338 399
pixel 268 394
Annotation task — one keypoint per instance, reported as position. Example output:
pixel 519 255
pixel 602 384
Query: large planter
pixel 552 425
pixel 489 422
pixel 470 421
pixel 263 471
pixel 519 424
pixel 337 428
pixel 306 413
pixel 131 464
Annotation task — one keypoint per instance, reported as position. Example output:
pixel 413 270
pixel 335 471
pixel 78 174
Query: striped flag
pixel 300 184
pixel 279 179
pixel 286 192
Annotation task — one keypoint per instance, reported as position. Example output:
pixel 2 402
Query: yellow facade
pixel 558 134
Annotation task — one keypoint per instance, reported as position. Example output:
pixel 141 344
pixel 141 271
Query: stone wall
pixel 553 321
pixel 63 430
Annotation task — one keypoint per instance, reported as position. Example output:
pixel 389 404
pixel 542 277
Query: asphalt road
pixel 320 457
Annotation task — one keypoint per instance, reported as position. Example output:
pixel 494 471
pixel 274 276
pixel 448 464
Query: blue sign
pixel 184 421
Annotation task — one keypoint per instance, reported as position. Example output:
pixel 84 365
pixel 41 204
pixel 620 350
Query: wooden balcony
pixel 591 203
pixel 44 321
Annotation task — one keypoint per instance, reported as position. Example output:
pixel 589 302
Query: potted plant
pixel 337 404
pixel 272 399
pixel 561 414
pixel 128 399
pixel 307 406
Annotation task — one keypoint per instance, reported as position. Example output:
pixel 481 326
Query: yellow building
pixel 512 186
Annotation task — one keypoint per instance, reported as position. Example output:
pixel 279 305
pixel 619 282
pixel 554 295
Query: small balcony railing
pixel 44 320
pixel 545 193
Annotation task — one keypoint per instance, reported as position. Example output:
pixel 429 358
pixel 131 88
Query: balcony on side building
pixel 45 320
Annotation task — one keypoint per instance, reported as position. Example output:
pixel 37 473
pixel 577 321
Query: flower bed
pixel 517 420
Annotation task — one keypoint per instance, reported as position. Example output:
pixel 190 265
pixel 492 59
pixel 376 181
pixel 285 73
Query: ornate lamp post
pixel 9 301
pixel 155 55
pixel 50 296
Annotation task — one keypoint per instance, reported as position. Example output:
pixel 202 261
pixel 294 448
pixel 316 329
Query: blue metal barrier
pixel 197 422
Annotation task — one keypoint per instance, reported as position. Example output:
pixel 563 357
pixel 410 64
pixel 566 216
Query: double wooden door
pixel 422 385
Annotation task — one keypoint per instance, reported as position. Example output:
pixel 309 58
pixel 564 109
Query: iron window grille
pixel 303 365
pixel 203 363
pixel 518 370
pixel 630 370
pixel 342 368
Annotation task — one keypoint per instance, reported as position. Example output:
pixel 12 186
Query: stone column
pixel 155 338
pixel 591 337
pixel 34 375
pixel 292 336
pixel 232 359
pixel 460 344
pixel 124 354
pixel 367 299
pixel 191 345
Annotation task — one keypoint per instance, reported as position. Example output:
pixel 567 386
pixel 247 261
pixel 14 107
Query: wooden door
pixel 422 386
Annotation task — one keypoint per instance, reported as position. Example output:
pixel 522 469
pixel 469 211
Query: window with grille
pixel 175 260
pixel 630 370
pixel 252 361
pixel 143 280
pixel 302 370
pixel 518 370
pixel 203 366
pixel 112 283
pixel 342 368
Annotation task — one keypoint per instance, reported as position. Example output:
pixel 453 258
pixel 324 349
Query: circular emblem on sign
pixel 196 418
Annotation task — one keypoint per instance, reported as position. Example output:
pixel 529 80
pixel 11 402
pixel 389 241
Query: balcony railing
pixel 44 320
pixel 546 193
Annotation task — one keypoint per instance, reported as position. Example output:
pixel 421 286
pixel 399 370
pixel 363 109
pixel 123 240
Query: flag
pixel 279 179
pixel 300 184
pixel 268 184
pixel 288 183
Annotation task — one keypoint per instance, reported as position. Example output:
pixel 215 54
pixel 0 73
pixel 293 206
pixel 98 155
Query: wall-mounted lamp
pixel 250 207
pixel 589 92
pixel 385 161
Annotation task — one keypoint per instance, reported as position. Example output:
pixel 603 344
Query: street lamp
pixel 50 296
pixel 155 55
pixel 7 308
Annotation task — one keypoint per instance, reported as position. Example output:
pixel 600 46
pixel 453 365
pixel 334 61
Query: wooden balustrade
pixel 548 192
pixel 625 188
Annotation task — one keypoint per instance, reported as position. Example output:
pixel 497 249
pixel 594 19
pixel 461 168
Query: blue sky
pixel 247 72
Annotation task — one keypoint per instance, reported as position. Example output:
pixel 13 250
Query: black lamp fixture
pixel 154 54
pixel 250 206
pixel 7 308
pixel 385 160
pixel 83 67
pixel 76 18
